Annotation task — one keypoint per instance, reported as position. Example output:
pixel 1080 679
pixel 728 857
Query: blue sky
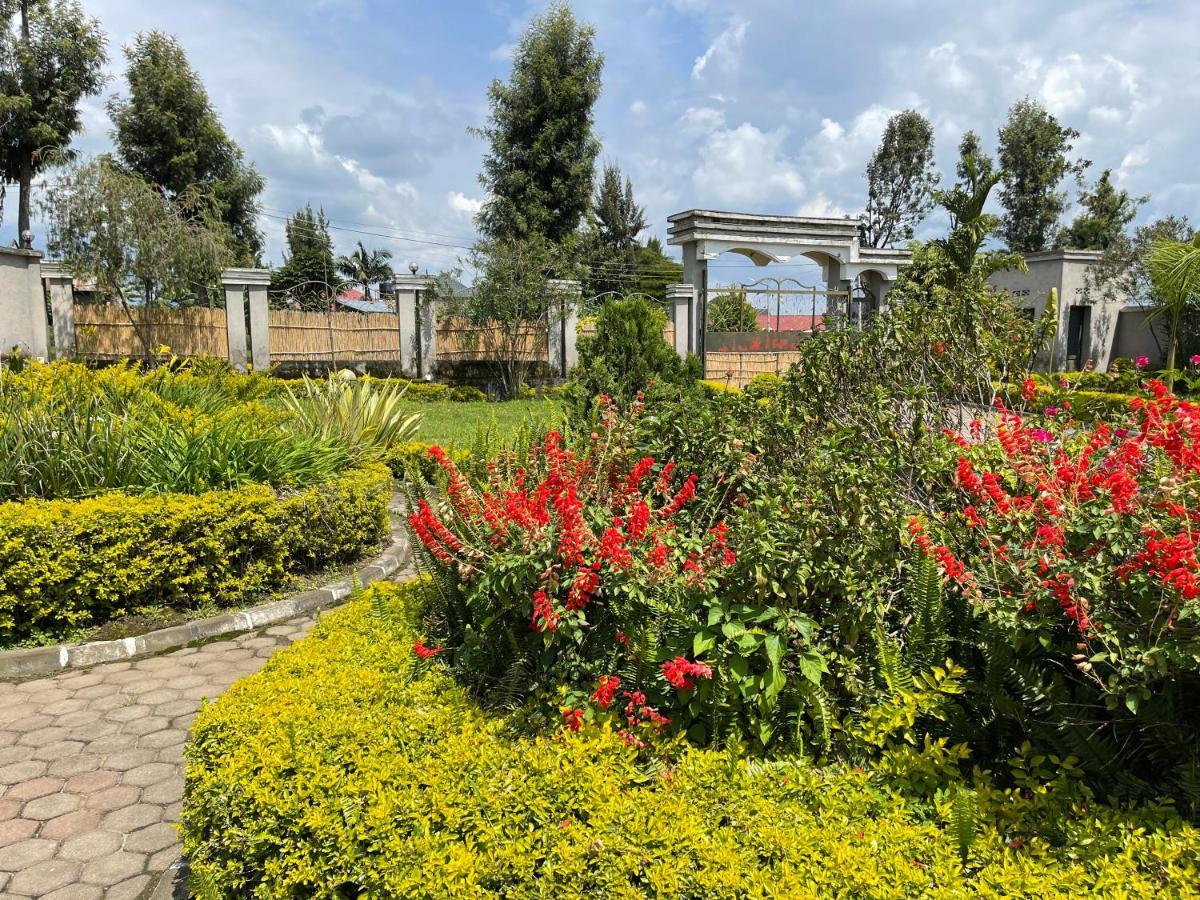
pixel 363 106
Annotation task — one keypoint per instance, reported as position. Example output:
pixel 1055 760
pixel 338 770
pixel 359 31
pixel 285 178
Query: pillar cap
pixel 245 277
pixel 413 282
pixel 681 290
pixel 57 270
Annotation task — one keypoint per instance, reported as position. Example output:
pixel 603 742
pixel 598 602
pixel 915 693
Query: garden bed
pixel 67 566
pixel 350 767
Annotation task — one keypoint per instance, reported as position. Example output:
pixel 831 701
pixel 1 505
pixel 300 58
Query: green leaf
pixel 703 642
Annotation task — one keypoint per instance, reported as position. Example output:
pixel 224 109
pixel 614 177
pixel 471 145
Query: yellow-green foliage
pixel 712 386
pixel 411 459
pixel 346 768
pixel 73 563
pixel 1093 406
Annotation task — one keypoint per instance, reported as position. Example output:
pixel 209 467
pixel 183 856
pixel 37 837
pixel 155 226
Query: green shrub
pixel 368 417
pixel 70 564
pixel 464 393
pixel 411 461
pixel 627 352
pixel 347 767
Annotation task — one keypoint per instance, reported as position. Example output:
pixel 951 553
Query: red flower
pixel 606 690
pixel 544 616
pixel 425 652
pixel 679 672
pixel 572 719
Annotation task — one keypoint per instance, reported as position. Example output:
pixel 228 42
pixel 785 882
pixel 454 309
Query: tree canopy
pixel 51 56
pixel 731 311
pixel 900 180
pixel 618 220
pixel 309 275
pixel 1106 212
pixel 540 164
pixel 366 267
pixel 1035 154
pixel 168 132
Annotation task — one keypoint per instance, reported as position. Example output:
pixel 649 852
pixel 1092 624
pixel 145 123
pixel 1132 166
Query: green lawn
pixel 455 424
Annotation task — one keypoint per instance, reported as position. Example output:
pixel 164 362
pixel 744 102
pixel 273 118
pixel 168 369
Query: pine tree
pixel 618 221
pixel 1106 212
pixel 538 171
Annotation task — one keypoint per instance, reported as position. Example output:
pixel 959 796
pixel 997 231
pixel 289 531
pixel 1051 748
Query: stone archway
pixel 703 235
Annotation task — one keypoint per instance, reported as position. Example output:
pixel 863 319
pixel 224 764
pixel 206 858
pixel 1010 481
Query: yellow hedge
pixel 345 769
pixel 74 563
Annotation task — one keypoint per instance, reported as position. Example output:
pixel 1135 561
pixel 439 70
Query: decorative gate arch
pixel 846 266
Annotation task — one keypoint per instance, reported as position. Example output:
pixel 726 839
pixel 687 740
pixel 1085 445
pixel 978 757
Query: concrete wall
pixel 1066 271
pixel 1137 336
pixel 22 304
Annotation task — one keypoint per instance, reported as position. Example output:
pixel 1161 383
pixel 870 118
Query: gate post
pixel 415 323
pixel 22 305
pixel 561 329
pixel 237 283
pixel 682 299
pixel 62 307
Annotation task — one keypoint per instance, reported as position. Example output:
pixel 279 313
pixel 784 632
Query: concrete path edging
pixel 38 662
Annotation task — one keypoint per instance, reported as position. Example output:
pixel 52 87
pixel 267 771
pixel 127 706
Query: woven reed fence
pixel 588 329
pixel 315 336
pixel 458 341
pixel 104 331
pixel 738 369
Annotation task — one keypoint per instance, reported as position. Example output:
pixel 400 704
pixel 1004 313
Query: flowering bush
pixel 1080 544
pixel 602 571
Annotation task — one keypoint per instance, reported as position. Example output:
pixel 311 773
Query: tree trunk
pixel 26 185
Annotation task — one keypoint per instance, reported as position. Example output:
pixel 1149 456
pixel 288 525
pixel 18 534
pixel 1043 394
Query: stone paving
pixel 91 766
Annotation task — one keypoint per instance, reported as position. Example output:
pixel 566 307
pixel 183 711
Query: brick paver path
pixel 91 766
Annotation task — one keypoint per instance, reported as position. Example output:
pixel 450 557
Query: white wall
pixel 22 304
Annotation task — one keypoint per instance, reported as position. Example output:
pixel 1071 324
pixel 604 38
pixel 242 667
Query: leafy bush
pixel 464 393
pixel 599 568
pixel 731 311
pixel 349 766
pixel 1076 546
pixel 66 431
pixel 365 416
pixel 410 461
pixel 69 564
pixel 627 353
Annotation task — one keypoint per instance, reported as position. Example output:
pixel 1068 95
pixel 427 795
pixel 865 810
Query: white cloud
pixel 747 166
pixel 462 205
pixel 724 53
pixel 1134 159
pixel 703 118
pixel 637 108
pixel 821 207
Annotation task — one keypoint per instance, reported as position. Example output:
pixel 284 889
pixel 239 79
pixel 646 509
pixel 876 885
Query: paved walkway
pixel 91 767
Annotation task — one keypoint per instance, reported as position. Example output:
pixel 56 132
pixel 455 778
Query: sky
pixel 774 106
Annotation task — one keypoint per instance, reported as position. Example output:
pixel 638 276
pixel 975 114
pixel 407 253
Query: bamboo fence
pixel 107 331
pixel 458 341
pixel 738 369
pixel 350 336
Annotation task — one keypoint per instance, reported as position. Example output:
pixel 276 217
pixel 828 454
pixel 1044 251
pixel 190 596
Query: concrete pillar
pixel 22 304
pixel 235 317
pixel 416 336
pixel 682 299
pixel 562 323
pixel 62 308
pixel 238 282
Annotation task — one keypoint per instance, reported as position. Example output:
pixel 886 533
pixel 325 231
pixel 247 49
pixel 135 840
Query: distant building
pixel 353 299
pixel 771 322
pixel 1091 327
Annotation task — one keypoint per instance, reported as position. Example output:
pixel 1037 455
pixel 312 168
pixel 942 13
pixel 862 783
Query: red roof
pixel 770 322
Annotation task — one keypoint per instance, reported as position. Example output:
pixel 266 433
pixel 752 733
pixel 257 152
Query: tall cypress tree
pixel 539 169
pixel 618 222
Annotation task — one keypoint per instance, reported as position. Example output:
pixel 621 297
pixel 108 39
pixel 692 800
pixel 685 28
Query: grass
pixel 454 425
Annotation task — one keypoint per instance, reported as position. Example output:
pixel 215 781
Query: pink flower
pixel 1196 359
pixel 1052 411
pixel 1041 434
pixel 1142 361
pixel 1063 383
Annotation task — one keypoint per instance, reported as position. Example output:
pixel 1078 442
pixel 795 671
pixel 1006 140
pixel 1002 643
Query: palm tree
pixel 1174 268
pixel 366 267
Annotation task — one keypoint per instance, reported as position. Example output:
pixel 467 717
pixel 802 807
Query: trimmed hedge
pixel 67 564
pixel 346 768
